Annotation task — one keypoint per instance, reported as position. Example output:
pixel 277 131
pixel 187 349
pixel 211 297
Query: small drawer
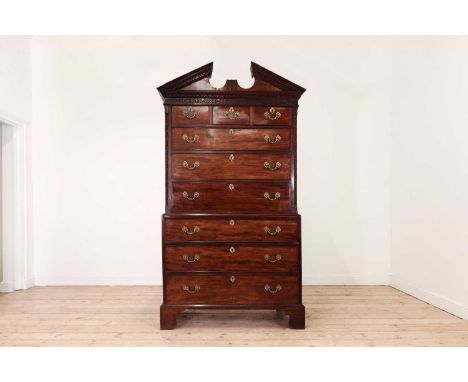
pixel 232 288
pixel 231 230
pixel 190 115
pixel 231 257
pixel 230 139
pixel 271 115
pixel 267 166
pixel 231 115
pixel 243 197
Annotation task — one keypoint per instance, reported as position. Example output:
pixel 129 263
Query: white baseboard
pixel 46 281
pixel 5 287
pixel 442 302
pixel 363 279
pixel 322 280
pixel 30 283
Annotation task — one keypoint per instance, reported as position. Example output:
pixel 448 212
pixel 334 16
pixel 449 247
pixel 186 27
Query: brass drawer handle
pixel 186 258
pixel 272 260
pixel 186 195
pixel 276 290
pixel 195 289
pixel 232 114
pixel 268 166
pixel 196 164
pixel 276 196
pixel 186 230
pixel 272 114
pixel 189 113
pixel 195 138
pixel 268 231
pixel 270 140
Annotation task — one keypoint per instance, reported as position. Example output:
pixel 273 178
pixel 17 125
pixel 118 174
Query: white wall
pixel 98 150
pixel 430 170
pixel 15 99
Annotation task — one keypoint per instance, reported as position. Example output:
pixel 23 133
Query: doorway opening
pixel 15 267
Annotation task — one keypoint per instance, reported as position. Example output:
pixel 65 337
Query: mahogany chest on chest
pixel 231 231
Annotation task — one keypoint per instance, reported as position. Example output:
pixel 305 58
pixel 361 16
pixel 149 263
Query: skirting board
pixel 5 287
pixel 435 299
pixel 322 280
pixel 49 281
pixel 363 279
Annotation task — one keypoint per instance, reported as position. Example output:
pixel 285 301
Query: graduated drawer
pixel 231 115
pixel 225 196
pixel 230 139
pixel 190 115
pixel 271 115
pixel 195 166
pixel 232 288
pixel 233 257
pixel 231 229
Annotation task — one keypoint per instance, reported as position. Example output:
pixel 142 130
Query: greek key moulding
pixel 231 231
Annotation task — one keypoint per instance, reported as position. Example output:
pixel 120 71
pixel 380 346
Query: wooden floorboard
pixel 129 316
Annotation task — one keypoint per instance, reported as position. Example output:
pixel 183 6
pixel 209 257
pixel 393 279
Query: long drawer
pixel 232 288
pixel 231 258
pixel 198 138
pixel 252 197
pixel 231 230
pixel 230 166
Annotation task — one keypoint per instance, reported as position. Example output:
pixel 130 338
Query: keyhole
pixel 232 279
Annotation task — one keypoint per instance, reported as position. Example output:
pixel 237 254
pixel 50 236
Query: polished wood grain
pixel 231 230
pixel 204 138
pixel 224 166
pixel 232 288
pixel 227 257
pixel 182 115
pixel 240 196
pixel 231 115
pixel 271 115
pixel 129 316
